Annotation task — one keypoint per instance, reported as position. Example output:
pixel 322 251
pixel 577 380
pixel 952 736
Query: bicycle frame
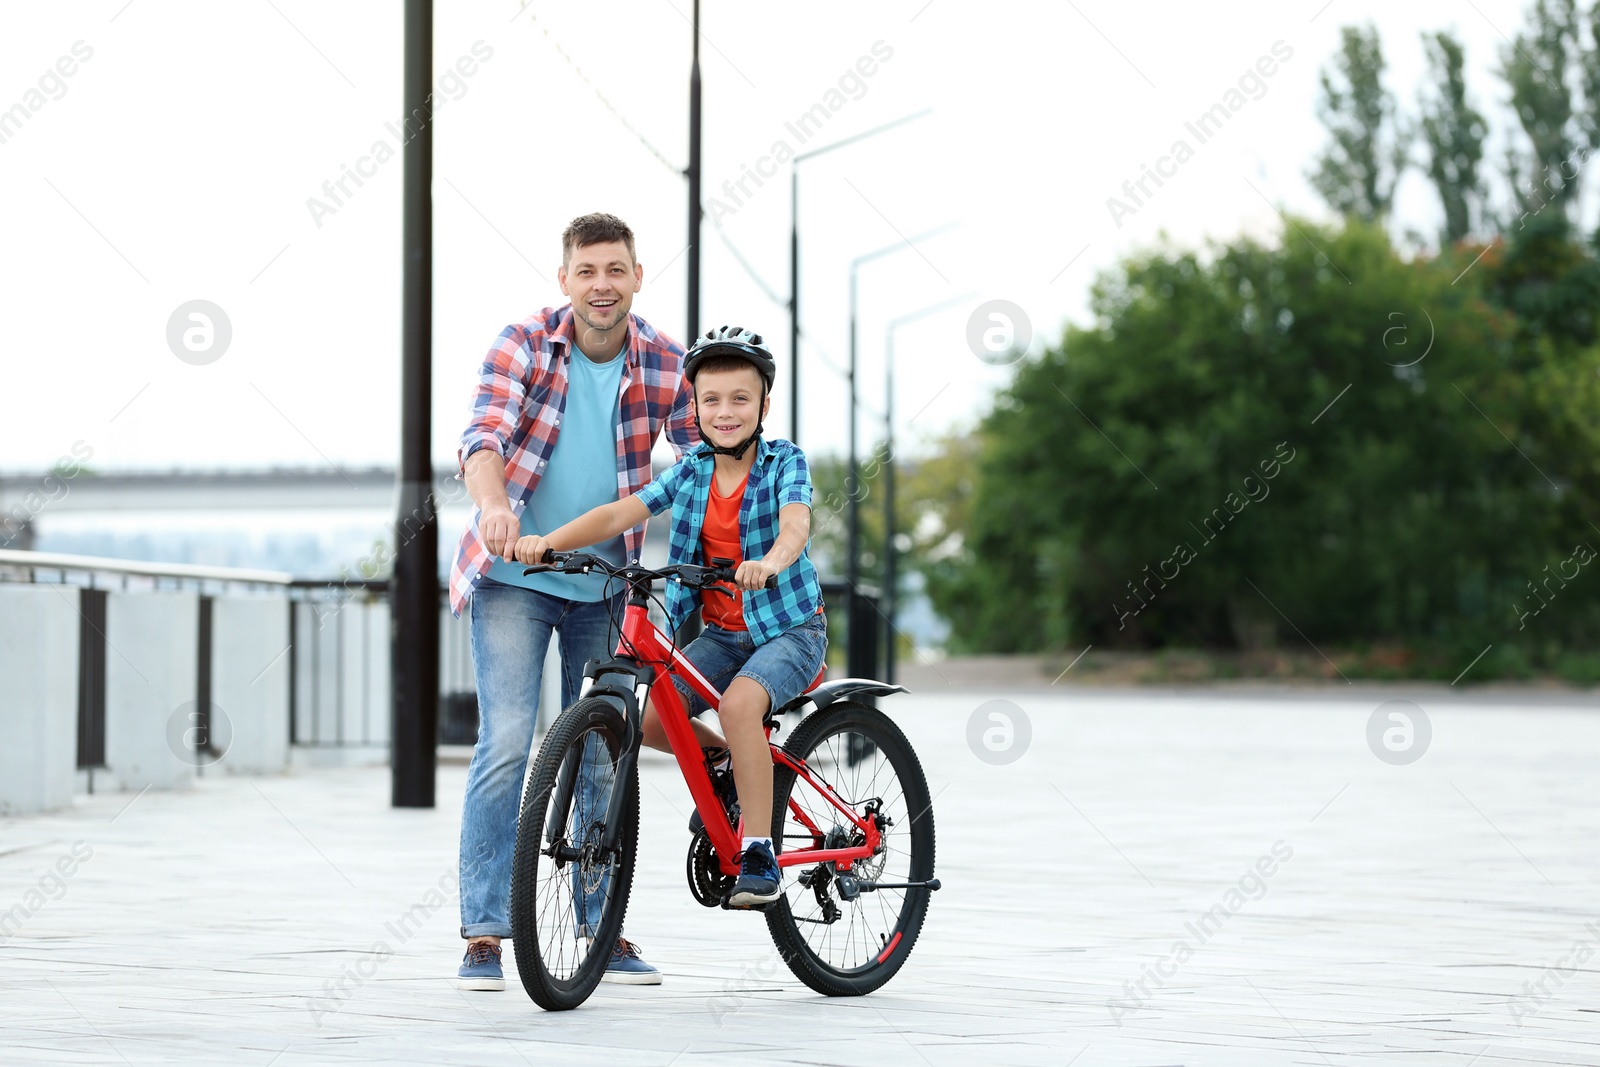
pixel 642 644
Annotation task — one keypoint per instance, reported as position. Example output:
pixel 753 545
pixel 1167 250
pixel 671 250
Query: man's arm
pixel 496 408
pixel 486 484
pixel 592 527
pixel 682 433
pixel 794 530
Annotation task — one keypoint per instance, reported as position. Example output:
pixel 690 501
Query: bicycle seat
pixel 821 673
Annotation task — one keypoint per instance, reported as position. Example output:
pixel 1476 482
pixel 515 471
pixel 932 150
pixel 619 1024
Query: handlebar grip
pixel 725 574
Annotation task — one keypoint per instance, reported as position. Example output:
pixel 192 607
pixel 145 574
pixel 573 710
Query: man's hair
pixel 717 364
pixel 595 229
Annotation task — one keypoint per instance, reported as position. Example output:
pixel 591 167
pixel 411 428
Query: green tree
pixel 1358 170
pixel 1536 68
pixel 1316 432
pixel 1453 131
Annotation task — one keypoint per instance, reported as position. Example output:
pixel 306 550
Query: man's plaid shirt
pixel 779 477
pixel 517 410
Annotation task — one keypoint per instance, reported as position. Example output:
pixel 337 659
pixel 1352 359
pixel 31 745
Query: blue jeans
pixel 511 628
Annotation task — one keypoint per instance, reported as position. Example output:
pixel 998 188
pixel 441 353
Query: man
pixel 568 406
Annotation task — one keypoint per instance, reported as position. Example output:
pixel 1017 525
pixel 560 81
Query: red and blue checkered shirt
pixel 517 409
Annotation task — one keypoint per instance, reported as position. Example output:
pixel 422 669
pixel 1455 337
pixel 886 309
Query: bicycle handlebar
pixel 691 574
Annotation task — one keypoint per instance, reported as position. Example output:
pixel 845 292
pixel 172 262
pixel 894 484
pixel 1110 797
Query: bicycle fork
pixel 620 685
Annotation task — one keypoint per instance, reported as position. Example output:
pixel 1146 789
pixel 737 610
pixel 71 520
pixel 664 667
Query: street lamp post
pixel 852 489
pixel 794 258
pixel 692 318
pixel 859 648
pixel 891 553
pixel 414 589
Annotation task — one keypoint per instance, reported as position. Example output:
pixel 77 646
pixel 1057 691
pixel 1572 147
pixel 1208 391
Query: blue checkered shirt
pixel 779 477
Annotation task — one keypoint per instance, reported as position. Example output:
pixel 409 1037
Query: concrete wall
pixel 38 697
pixel 250 683
pixel 151 667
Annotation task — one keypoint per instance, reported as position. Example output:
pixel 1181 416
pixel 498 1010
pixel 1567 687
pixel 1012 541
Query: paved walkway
pixel 1158 879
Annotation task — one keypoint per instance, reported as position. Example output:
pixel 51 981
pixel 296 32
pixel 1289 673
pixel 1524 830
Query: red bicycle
pixel 855 844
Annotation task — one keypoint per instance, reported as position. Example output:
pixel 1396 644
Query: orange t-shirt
pixel 719 539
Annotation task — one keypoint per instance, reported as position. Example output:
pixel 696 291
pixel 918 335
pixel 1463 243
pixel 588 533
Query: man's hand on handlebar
pixel 497 527
pixel 531 549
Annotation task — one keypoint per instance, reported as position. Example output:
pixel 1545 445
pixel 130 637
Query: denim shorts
pixel 785 666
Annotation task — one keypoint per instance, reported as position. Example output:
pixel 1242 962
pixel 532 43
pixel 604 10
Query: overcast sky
pixel 175 163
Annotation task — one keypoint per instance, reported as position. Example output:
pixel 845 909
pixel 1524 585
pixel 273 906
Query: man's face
pixel 729 404
pixel 601 280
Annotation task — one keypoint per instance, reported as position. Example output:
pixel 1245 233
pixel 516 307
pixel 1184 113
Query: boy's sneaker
pixel 627 968
pixel 722 785
pixel 481 968
pixel 758 879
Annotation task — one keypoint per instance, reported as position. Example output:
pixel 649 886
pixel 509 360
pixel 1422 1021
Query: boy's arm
pixel 601 524
pixel 794 530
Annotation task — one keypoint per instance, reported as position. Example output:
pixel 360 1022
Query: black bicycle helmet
pixel 740 343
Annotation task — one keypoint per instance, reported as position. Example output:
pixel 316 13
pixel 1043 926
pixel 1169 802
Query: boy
pixel 739 497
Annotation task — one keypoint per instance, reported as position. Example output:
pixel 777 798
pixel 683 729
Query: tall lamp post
pixel 794 257
pixel 859 657
pixel 692 321
pixel 891 553
pixel 414 590
pixel 852 489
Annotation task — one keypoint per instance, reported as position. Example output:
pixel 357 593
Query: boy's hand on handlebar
pixel 753 574
pixel 531 549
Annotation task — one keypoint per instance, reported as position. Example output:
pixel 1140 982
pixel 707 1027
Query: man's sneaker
pixel 627 968
pixel 758 879
pixel 722 785
pixel 481 968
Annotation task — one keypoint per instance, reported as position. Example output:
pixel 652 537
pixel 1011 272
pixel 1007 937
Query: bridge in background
pixel 283 487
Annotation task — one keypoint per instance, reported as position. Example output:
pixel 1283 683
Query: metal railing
pixel 337 644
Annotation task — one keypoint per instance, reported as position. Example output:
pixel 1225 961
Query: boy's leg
pixel 775 673
pixel 744 705
pixel 716 654
pixel 510 635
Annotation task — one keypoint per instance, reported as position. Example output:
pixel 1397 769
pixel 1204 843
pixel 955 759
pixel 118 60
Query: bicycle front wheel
pixel 569 892
pixel 837 945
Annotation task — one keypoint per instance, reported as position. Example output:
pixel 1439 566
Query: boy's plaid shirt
pixel 780 476
pixel 517 410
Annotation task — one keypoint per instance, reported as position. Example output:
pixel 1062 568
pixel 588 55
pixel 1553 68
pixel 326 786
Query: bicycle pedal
pixel 746 907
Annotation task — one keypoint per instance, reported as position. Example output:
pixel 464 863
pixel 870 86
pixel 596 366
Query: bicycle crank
pixel 707 884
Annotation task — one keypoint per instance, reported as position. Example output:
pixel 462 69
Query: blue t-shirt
pixel 581 475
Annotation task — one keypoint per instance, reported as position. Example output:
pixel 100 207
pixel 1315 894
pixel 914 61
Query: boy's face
pixel 601 280
pixel 726 403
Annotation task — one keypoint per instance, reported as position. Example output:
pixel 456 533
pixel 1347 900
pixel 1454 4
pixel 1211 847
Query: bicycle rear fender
pixel 840 688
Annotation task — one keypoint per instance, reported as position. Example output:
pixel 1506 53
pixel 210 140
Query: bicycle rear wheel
pixel 569 894
pixel 835 945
